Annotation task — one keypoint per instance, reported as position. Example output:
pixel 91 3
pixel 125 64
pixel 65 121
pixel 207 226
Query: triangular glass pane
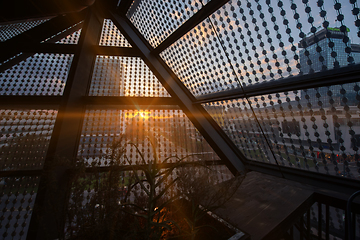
pixel 73 37
pixel 11 30
pixel 157 20
pixel 111 36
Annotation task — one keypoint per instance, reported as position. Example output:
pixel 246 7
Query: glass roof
pixel 240 85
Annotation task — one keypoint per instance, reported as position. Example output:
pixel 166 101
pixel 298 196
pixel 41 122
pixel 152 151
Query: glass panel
pixel 244 43
pixel 236 119
pixel 111 36
pixel 124 76
pixel 170 131
pixel 40 74
pixel 156 20
pixel 72 38
pixel 199 62
pixel 25 137
pixel 11 30
pixel 17 201
pixel 313 129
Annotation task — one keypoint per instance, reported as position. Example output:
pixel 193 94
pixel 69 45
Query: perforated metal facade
pixel 235 83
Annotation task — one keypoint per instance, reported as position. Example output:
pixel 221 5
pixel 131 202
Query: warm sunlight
pixel 144 114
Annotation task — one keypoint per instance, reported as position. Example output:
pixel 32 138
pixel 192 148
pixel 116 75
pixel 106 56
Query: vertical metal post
pixel 308 224
pixel 302 227
pixel 353 224
pixel 327 227
pixel 291 233
pixel 320 220
pixel 347 229
pixel 48 217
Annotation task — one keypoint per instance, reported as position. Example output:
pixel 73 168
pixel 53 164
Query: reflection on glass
pixel 314 129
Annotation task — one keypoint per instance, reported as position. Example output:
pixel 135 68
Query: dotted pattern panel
pixel 313 129
pixel 25 136
pixel 12 30
pixel 156 20
pixel 41 74
pixel 236 119
pixel 111 36
pixel 71 39
pixel 124 76
pixel 199 63
pixel 17 201
pixel 170 131
pixel 248 42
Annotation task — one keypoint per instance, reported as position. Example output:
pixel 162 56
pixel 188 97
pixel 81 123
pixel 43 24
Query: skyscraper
pixel 327 49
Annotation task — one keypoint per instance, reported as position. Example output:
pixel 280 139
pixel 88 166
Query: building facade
pixel 327 49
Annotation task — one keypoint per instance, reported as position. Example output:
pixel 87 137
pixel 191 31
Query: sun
pixel 144 114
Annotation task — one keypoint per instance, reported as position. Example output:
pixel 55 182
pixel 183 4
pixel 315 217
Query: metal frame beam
pixel 71 49
pixel 48 48
pixel 163 165
pixel 65 33
pixel 343 75
pixel 217 139
pixel 46 102
pixel 149 102
pixel 28 102
pixel 51 199
pixel 125 5
pixel 116 51
pixel 193 21
pixel 37 34
pixel 38 172
pixel 21 45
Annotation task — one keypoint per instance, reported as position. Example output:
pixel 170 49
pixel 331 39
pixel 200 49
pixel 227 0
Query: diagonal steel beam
pixel 39 33
pixel 211 131
pixel 25 55
pixel 197 18
pixel 125 5
pixel 71 49
pixel 48 48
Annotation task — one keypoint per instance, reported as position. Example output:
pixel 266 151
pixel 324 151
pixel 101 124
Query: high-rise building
pixel 327 49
